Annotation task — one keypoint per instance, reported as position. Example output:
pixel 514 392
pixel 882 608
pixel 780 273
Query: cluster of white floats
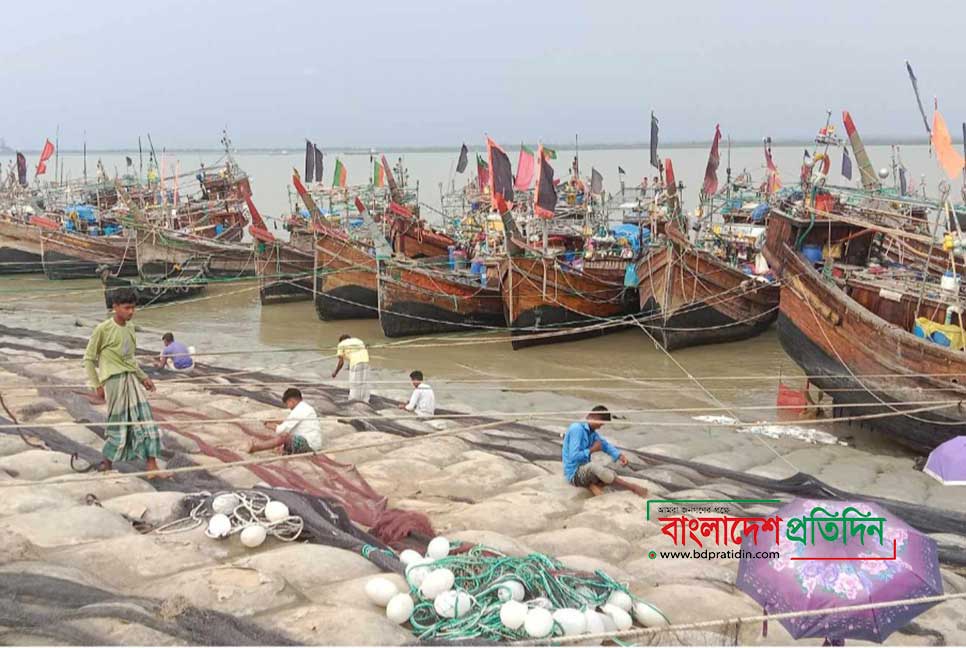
pixel 536 617
pixel 253 534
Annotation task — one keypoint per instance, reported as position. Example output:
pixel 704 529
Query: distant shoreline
pixel 357 150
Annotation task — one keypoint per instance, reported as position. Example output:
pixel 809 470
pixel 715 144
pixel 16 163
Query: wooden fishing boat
pixel 161 250
pixel 345 271
pixel 284 268
pixel 692 297
pixel 850 328
pixel 411 239
pixel 185 282
pixel 20 250
pixel 420 298
pixel 68 255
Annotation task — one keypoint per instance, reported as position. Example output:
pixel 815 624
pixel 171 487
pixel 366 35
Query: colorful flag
pixel 655 161
pixel 669 177
pixel 550 153
pixel 596 182
pixel 390 180
pixel 773 182
pixel 866 172
pixel 461 164
pixel 309 161
pixel 949 158
pixel 545 196
pixel 318 163
pixel 44 156
pixel 501 177
pixel 525 168
pixel 710 186
pixel 846 164
pixel 378 175
pixel 482 172
pixel 339 177
pixel 21 169
pixel 399 210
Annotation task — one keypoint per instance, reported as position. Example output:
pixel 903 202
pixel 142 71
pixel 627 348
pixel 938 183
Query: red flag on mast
pixel 44 156
pixel 710 186
pixel 525 168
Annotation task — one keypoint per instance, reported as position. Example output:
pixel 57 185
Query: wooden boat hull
pixel 410 240
pixel 284 272
pixel 862 360
pixel 20 250
pixel 420 301
pixel 692 298
pixel 546 303
pixel 76 256
pixel 147 294
pixel 158 252
pixel 346 283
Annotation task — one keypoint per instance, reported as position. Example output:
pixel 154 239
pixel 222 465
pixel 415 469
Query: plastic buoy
pixel 417 570
pixel 648 615
pixel 539 623
pixel 408 555
pixel 621 618
pixel 438 548
pixel 380 590
pixel 436 582
pixel 219 526
pixel 595 623
pixel 253 535
pixel 225 503
pixel 511 590
pixel 513 614
pixel 572 621
pixel 620 599
pixel 607 620
pixel 399 608
pixel 276 511
pixel 452 604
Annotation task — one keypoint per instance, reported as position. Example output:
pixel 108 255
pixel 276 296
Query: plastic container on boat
pixel 813 253
pixel 950 282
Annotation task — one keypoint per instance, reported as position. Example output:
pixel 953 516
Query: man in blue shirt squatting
pixel 580 443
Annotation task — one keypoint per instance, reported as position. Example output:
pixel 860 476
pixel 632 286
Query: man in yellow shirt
pixel 354 350
pixel 113 372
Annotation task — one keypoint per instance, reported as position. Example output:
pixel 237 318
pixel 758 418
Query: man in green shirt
pixel 113 371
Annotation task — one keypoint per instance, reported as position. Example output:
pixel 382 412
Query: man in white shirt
pixel 423 401
pixel 299 432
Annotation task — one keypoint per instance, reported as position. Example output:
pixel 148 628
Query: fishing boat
pixel 345 274
pixel 715 288
pixel 284 268
pixel 418 298
pixel 68 255
pixel 183 282
pixel 20 248
pixel 412 238
pixel 159 250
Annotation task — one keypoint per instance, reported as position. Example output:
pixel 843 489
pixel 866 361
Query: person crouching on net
pixel 579 445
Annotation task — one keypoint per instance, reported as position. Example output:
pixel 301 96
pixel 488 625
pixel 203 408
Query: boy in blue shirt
pixel 580 442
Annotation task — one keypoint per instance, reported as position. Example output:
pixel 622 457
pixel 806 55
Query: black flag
pixel 461 164
pixel 309 161
pixel 846 164
pixel 915 89
pixel 318 163
pixel 620 170
pixel 130 162
pixel 21 169
pixel 545 198
pixel 501 177
pixel 903 185
pixel 596 182
pixel 655 161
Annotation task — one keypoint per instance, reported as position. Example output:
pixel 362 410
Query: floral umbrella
pixel 947 463
pixel 826 571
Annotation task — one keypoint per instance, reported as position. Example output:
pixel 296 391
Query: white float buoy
pixel 595 623
pixel 225 503
pixel 452 604
pixel 510 590
pixel 408 555
pixel 436 582
pixel 438 548
pixel 276 511
pixel 648 615
pixel 399 608
pixel 253 535
pixel 513 614
pixel 572 621
pixel 621 618
pixel 380 590
pixel 620 599
pixel 219 526
pixel 607 620
pixel 417 570
pixel 539 623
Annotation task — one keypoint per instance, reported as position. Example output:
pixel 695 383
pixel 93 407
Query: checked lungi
pixel 127 402
pixel 359 388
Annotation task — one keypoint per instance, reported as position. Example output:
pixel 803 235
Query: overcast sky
pixel 410 73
